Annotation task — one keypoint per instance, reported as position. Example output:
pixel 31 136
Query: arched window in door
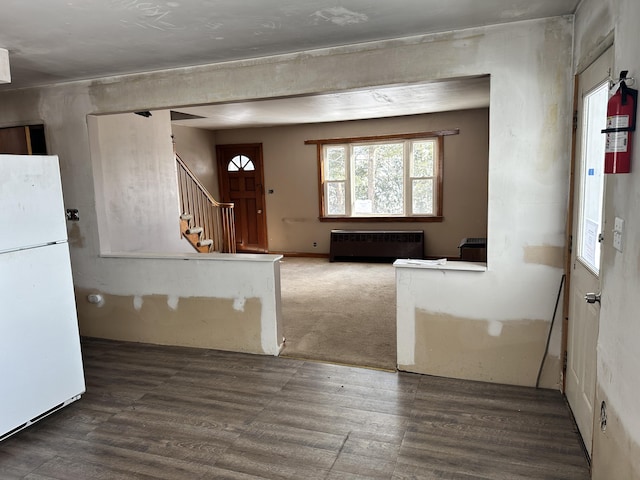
pixel 240 163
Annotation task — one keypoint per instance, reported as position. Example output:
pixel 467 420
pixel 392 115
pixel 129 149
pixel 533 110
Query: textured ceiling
pixel 388 101
pixel 51 41
pixel 54 41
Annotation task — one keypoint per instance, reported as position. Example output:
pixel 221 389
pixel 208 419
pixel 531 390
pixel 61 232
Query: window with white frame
pixel 395 176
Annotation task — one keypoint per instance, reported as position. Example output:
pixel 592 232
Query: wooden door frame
pixel 569 236
pixel 223 181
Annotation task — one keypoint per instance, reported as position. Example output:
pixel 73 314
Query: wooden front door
pixel 242 182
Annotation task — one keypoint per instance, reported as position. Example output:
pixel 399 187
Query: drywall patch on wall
pixel 450 346
pixel 75 236
pixel 340 16
pixel 173 301
pixel 495 328
pixel 294 220
pixel 146 14
pixel 544 255
pixel 238 304
pixel 194 322
pixel 138 301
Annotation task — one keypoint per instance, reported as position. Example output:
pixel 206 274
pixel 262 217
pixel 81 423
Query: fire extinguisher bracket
pixel 626 91
pixel 613 130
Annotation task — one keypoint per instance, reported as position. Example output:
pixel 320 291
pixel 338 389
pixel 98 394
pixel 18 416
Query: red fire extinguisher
pixel 621 123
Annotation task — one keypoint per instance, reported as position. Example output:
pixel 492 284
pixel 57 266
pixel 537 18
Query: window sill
pixel 438 218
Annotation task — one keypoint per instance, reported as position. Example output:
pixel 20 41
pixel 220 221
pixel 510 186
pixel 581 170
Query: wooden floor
pixel 175 413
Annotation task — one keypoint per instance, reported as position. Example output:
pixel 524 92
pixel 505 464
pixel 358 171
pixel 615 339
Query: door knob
pixel 259 211
pixel 592 297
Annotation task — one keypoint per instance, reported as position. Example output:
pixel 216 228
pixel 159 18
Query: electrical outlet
pixel 617 241
pixel 618 230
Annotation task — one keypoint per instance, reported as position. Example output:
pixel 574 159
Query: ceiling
pixel 55 41
pixel 387 101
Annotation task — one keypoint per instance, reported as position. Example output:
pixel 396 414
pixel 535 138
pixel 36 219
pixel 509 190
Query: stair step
pixel 186 216
pixel 193 230
pixel 207 242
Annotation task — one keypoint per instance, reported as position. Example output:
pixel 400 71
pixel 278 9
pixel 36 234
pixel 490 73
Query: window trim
pixel 438 135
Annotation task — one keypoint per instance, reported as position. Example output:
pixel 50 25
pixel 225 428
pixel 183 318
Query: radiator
pixel 473 249
pixel 388 244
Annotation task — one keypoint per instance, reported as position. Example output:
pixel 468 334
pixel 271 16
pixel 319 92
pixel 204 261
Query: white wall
pixel 529 128
pixel 226 302
pixel 197 148
pixel 616 451
pixel 530 121
pixel 136 188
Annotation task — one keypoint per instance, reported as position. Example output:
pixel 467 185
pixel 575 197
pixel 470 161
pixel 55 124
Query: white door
pixel 584 317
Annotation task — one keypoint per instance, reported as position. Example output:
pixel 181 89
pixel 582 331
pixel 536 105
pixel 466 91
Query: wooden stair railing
pixel 208 225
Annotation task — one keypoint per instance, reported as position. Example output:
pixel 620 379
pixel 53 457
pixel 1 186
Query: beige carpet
pixel 342 312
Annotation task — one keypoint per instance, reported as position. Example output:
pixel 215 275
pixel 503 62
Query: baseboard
pixel 301 254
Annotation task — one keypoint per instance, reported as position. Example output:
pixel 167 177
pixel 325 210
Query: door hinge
pixel 564 362
pixel 570 244
pixel 575 120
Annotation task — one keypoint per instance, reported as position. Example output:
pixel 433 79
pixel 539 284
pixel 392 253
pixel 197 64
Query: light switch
pixel 618 225
pixel 618 230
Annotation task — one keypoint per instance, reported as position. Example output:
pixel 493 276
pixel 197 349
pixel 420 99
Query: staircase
pixel 194 235
pixel 208 225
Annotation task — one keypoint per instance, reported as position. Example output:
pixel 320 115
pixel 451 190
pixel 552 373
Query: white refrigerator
pixel 40 358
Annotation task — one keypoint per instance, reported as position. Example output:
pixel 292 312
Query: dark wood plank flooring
pixel 177 413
